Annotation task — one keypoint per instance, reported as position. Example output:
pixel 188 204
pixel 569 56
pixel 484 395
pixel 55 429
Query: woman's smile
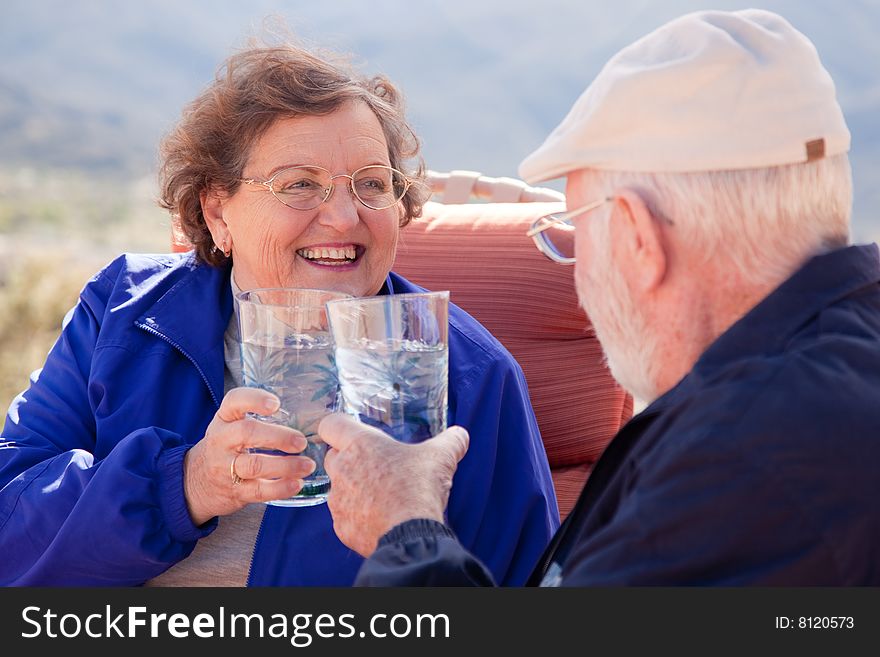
pixel 335 255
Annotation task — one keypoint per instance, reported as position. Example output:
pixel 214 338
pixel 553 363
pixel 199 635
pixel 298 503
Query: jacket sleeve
pixel 67 517
pixel 422 552
pixel 502 506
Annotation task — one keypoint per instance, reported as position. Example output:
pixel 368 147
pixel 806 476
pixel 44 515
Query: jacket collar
pixel 388 288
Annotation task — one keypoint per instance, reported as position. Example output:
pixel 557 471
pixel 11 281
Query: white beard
pixel 630 346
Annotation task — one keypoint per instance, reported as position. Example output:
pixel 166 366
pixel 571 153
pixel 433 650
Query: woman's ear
pixel 638 240
pixel 213 203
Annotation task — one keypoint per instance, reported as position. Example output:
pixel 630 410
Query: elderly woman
pixel 115 463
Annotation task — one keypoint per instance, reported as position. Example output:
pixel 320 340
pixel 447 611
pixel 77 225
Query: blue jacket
pixel 91 463
pixel 761 467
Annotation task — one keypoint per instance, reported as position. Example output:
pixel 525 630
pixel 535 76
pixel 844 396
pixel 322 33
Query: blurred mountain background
pixel 88 88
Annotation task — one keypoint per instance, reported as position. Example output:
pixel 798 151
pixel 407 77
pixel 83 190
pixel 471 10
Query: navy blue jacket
pixel 91 458
pixel 761 467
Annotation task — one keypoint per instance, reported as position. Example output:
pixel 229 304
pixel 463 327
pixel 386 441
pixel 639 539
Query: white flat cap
pixel 710 90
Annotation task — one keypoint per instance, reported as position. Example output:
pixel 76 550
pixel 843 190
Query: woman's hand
pixel 220 476
pixel 378 482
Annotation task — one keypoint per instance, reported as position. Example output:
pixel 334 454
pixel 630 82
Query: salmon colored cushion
pixel 481 254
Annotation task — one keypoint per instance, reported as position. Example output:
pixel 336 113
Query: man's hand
pixel 377 482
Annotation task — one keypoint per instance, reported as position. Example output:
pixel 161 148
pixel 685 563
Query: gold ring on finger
pixel 236 480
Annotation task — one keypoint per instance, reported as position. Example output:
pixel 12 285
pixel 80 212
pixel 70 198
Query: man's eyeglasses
pixel 306 187
pixel 554 233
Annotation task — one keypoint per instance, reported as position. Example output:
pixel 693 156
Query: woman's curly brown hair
pixel 209 147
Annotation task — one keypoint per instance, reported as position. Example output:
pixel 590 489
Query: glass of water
pixel 392 359
pixel 287 349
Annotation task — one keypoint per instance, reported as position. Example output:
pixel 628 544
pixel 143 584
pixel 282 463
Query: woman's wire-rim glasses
pixel 541 234
pixel 375 186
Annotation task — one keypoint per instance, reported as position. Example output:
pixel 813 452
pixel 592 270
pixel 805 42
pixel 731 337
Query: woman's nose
pixel 340 210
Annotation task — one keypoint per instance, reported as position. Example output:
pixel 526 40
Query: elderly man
pixel 706 167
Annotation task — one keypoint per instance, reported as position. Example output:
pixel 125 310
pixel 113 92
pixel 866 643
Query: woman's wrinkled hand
pixel 378 482
pixel 221 476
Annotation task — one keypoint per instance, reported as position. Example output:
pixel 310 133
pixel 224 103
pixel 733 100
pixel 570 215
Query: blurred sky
pixel 485 80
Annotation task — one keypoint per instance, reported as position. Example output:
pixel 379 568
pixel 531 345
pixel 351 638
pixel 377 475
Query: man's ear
pixel 213 202
pixel 639 241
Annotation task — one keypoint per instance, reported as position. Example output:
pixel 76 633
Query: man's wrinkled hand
pixel 378 482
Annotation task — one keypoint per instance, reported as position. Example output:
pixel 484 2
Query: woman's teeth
pixel 329 255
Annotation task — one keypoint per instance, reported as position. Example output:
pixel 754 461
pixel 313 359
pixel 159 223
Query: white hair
pixel 628 342
pixel 766 222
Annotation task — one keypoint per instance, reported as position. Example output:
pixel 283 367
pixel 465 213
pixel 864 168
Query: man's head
pixel 720 140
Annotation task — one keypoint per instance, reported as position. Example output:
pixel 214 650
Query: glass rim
pixel 381 298
pixel 342 296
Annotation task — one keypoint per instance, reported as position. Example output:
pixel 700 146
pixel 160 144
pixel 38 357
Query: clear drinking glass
pixel 287 349
pixel 392 358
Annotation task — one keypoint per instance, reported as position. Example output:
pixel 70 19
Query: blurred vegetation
pixel 57 228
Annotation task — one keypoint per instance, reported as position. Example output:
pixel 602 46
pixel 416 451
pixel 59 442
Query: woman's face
pixel 276 246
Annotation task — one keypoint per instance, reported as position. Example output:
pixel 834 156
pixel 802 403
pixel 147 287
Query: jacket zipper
pixel 151 330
